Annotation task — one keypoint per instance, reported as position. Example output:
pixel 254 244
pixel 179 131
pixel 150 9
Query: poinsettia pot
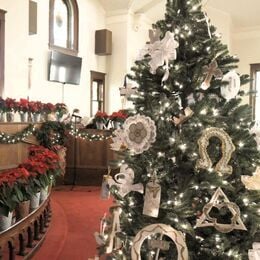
pixel 22 209
pixel 44 194
pixel 9 116
pixel 5 221
pixel 35 201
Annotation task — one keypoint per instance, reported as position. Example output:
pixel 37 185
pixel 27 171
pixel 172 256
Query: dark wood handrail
pixel 29 232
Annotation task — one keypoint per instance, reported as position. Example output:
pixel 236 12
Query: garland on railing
pixel 90 137
pixel 51 133
pixel 18 137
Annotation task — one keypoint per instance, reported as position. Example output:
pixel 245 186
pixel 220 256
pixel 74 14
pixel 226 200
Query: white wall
pixel 130 32
pixel 222 21
pixel 20 46
pixel 117 62
pixel 246 46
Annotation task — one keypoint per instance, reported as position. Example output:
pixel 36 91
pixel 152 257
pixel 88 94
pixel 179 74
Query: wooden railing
pixel 22 239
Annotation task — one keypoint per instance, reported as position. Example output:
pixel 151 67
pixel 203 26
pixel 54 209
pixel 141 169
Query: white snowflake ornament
pixel 140 133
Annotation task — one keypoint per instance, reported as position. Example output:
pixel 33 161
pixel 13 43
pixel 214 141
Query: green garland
pixel 50 133
pixel 18 137
pixel 90 137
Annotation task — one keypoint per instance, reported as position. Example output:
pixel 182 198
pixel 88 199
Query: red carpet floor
pixel 76 216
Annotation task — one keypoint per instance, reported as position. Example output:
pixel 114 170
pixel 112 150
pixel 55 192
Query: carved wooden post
pixel 11 247
pixel 1 252
pixel 42 224
pixel 30 237
pixel 36 230
pixel 21 245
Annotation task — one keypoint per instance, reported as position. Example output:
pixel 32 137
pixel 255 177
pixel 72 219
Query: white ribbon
pixel 124 181
pixel 208 24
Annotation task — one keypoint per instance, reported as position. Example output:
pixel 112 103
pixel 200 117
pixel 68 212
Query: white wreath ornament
pixel 176 236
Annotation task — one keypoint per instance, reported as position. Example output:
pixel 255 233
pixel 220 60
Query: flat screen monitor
pixel 64 68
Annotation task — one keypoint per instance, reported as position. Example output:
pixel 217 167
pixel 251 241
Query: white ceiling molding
pixel 244 13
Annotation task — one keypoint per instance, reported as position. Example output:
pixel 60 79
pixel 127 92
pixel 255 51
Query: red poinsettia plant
pixel 119 116
pixel 10 105
pixel 48 108
pixel 22 105
pixel 101 117
pixel 9 188
pixel 42 164
pixel 35 107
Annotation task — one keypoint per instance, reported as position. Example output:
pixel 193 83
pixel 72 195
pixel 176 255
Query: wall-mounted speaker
pixel 32 17
pixel 103 42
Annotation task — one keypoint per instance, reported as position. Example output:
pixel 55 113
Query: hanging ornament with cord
pixel 152 197
pixel 210 71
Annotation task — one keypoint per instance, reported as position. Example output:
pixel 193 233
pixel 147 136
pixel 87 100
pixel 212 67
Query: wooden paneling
pixel 13 154
pixel 90 161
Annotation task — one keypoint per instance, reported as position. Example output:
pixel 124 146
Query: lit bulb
pixel 241 144
pixel 246 201
pixel 183 147
pixel 172 140
pixel 203 112
pixel 215 112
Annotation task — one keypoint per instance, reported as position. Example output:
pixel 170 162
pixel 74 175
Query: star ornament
pixel 220 200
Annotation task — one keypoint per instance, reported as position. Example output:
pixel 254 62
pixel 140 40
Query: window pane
pixel 101 92
pixel 94 107
pixel 257 101
pixel 60 28
pixel 94 90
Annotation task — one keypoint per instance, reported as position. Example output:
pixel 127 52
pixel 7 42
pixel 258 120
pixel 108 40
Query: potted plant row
pixel 116 119
pixel 30 111
pixel 23 188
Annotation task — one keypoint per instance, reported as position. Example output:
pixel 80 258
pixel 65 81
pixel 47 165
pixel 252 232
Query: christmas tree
pixel 187 187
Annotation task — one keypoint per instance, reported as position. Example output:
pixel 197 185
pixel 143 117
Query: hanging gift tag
pixel 105 193
pixel 152 199
pixel 113 241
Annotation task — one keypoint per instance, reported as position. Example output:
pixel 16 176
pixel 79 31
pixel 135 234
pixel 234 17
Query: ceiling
pixel 244 13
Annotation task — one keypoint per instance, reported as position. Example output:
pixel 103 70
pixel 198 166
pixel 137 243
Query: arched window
pixel 63 33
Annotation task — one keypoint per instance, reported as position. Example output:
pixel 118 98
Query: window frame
pixel 75 23
pixel 254 68
pixel 99 77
